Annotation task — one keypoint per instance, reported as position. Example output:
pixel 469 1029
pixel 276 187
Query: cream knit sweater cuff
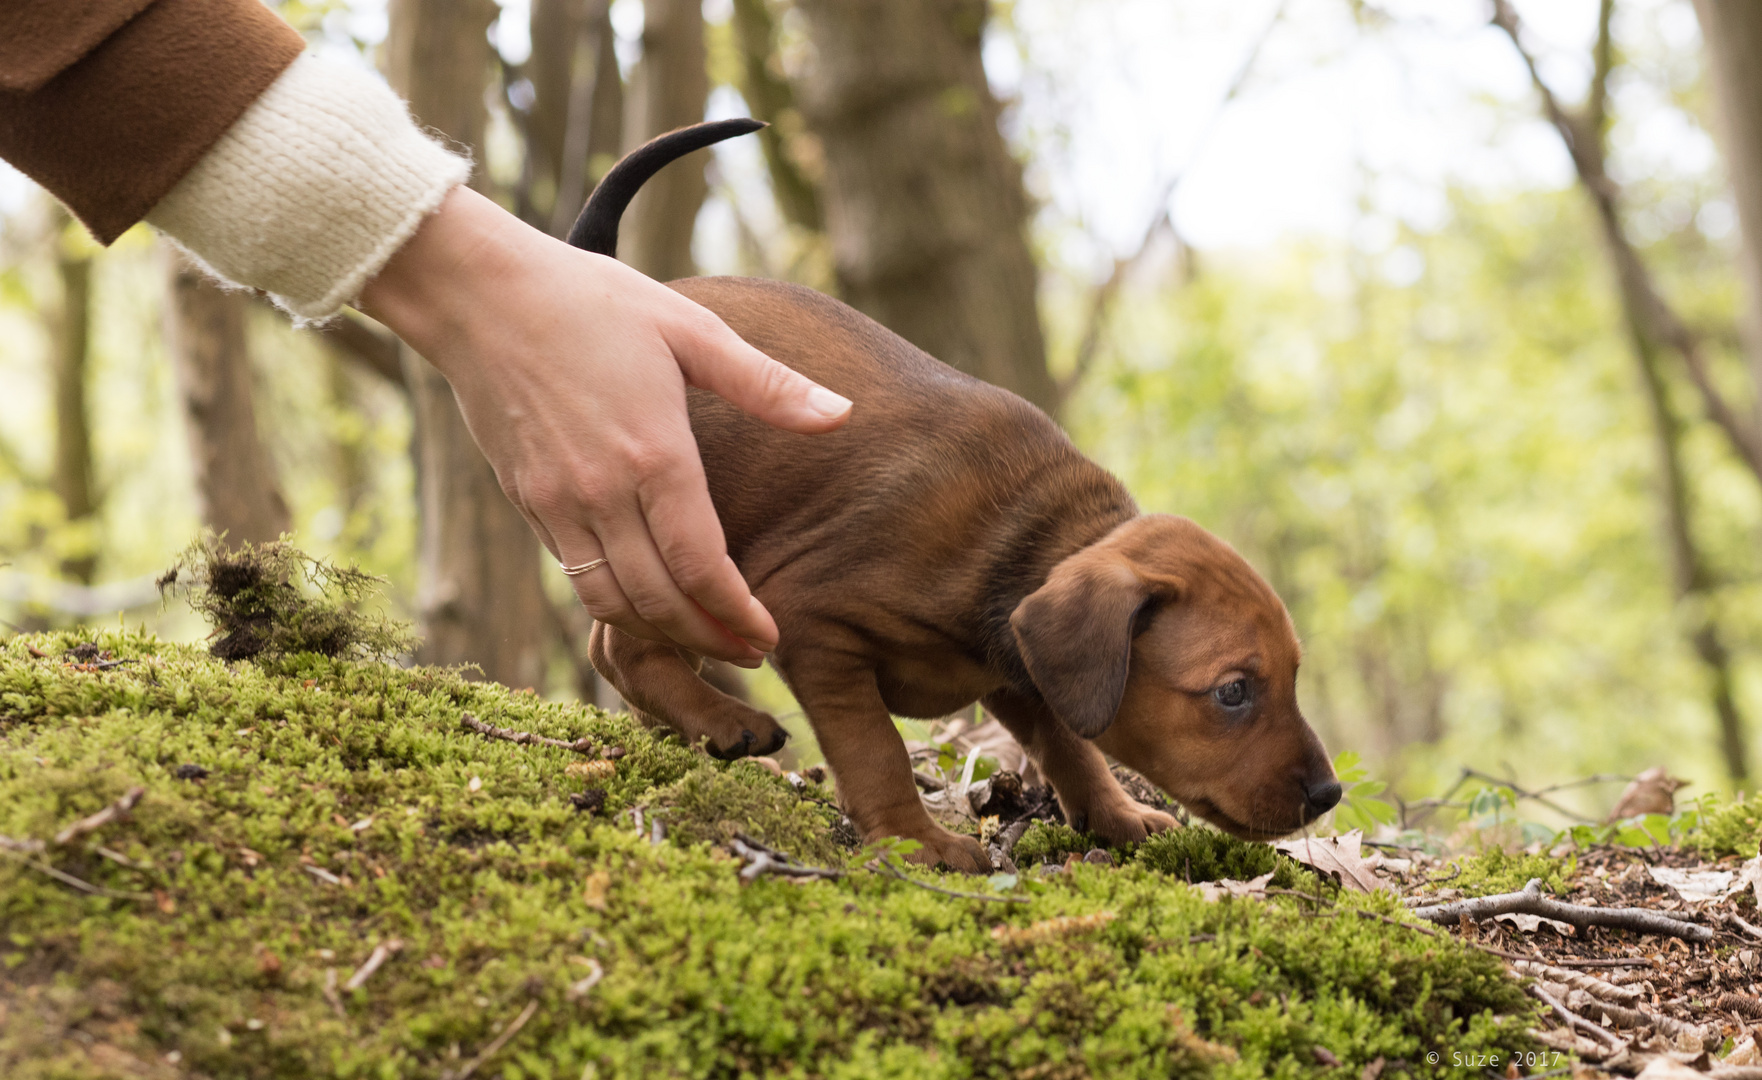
pixel 312 190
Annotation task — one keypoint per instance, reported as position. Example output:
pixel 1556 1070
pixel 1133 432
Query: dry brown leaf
pixel 1337 857
pixel 1651 792
pixel 1213 891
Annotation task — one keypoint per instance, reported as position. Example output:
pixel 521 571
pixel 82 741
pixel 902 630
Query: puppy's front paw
pixel 758 736
pixel 958 852
pixel 1128 822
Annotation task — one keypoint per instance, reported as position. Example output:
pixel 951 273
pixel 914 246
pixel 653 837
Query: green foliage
pixel 301 810
pixel 1049 841
pixel 252 596
pixel 1726 828
pixel 1360 808
pixel 1494 870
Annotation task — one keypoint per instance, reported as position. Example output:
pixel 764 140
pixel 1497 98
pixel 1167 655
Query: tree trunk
pixel 205 335
pixel 574 129
pixel 668 90
pixel 924 203
pixel 1732 30
pixel 479 599
pixel 770 98
pixel 73 427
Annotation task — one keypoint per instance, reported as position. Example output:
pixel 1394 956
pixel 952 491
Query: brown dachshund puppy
pixel 949 545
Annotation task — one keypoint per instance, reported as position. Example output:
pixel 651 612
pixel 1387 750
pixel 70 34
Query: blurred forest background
pixel 1449 320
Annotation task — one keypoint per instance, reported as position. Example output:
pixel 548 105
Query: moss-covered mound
pixel 303 816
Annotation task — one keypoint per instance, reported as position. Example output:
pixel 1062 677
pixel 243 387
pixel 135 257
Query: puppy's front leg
pixel 869 759
pixel 1092 799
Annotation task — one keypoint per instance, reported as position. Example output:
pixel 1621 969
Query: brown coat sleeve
pixel 108 103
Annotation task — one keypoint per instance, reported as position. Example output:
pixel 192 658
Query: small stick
pixel 1531 902
pixel 1578 980
pixel 765 860
pixel 578 989
pixel 68 879
pixel 330 994
pixel 1635 1018
pixel 500 1041
pixel 381 953
pixel 1749 928
pixel 1573 1019
pixel 116 811
pixel 321 874
pixel 32 846
pixel 583 745
pixel 900 874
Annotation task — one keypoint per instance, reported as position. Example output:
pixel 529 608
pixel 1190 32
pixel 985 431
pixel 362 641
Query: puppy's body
pixel 899 556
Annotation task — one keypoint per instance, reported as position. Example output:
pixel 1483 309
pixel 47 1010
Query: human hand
pixel 570 369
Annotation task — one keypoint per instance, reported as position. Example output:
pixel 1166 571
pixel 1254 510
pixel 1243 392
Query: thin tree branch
pixel 1639 290
pixel 1101 301
pixel 1530 901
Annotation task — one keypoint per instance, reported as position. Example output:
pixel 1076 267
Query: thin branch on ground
pixel 583 745
pixel 1573 1019
pixel 1578 980
pixel 68 879
pixel 1531 901
pixel 761 859
pixel 381 953
pixel 330 994
pixel 116 811
pixel 500 1041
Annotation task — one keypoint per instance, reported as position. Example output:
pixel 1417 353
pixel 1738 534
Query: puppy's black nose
pixel 1322 797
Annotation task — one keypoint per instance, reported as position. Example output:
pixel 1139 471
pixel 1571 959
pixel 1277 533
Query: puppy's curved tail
pixel 596 229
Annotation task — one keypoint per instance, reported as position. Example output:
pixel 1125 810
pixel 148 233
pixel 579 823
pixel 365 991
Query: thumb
pixel 714 358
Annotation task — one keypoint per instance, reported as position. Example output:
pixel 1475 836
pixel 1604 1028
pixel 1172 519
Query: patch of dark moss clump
pixel 302 810
pixel 1495 870
pixel 1051 841
pixel 253 596
pixel 1197 853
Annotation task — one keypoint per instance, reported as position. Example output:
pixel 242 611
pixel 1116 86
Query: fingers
pixel 634 592
pixel 714 358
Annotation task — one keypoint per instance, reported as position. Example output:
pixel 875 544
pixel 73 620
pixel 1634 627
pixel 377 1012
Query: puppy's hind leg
pixel 662 685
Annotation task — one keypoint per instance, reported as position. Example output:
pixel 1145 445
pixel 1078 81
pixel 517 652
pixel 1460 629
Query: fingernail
pixel 761 644
pixel 826 403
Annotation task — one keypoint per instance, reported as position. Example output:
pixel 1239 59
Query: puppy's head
pixel 1164 646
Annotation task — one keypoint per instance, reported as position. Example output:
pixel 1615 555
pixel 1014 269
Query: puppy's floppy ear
pixel 1075 634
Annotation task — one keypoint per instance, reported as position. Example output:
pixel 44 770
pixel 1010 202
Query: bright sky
pixel 1116 97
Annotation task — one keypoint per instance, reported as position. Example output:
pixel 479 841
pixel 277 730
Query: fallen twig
pixel 761 860
pixel 321 874
pixel 500 1041
pixel 901 875
pixel 579 988
pixel 1573 1019
pixel 1623 1017
pixel 7 843
pixel 1530 901
pixel 381 953
pixel 1730 919
pixel 116 811
pixel 583 745
pixel 1578 980
pixel 68 879
pixel 330 994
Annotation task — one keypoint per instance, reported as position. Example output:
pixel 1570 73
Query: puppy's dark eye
pixel 1232 695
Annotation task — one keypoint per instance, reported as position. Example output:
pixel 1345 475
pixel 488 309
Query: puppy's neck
pixel 1072 505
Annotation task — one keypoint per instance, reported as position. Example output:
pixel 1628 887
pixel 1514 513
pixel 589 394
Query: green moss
pixel 1727 828
pixel 220 937
pixel 1494 870
pixel 252 595
pixel 1197 853
pixel 1049 841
